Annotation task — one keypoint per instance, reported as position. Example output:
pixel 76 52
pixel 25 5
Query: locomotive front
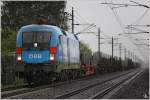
pixel 36 50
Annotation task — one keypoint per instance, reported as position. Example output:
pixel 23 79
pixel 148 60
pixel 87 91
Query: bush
pixel 8 69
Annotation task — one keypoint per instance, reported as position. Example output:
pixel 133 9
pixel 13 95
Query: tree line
pixel 19 13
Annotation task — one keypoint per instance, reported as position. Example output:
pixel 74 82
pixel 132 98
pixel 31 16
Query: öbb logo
pixel 33 56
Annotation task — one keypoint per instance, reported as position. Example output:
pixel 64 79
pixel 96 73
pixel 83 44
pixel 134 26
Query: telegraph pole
pixel 112 47
pixel 120 55
pixel 126 63
pixel 99 52
pixel 72 20
pixel 128 54
pixel 131 56
pixel 125 53
pixel 120 51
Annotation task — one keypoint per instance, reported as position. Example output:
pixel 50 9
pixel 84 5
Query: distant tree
pixel 8 45
pixel 85 53
pixel 85 48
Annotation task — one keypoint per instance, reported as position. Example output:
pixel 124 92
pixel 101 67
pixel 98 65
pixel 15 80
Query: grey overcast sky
pixel 92 11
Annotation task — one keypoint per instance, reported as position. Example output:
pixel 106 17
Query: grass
pixel 17 84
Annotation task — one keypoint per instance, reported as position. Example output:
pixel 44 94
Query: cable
pixel 118 20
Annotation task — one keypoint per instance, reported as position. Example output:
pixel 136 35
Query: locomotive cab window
pixel 36 40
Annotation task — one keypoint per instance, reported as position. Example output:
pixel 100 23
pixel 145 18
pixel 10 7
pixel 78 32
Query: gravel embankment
pixel 137 89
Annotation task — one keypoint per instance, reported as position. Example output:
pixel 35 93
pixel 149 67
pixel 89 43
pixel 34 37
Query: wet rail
pixel 110 88
pixel 103 91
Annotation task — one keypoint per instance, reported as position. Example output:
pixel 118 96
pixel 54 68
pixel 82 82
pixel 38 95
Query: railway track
pixel 104 92
pixel 24 91
pixel 26 88
pixel 121 78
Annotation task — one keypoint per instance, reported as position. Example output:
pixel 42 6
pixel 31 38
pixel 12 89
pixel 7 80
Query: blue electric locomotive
pixel 43 51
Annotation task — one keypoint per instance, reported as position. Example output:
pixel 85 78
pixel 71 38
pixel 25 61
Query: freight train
pixel 44 52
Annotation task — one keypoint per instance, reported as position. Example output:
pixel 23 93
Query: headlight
pixel 52 56
pixel 19 58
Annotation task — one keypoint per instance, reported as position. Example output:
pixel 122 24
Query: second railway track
pixel 110 84
pixel 103 93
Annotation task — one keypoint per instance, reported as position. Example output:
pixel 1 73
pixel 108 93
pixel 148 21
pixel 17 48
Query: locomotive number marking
pixel 31 56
